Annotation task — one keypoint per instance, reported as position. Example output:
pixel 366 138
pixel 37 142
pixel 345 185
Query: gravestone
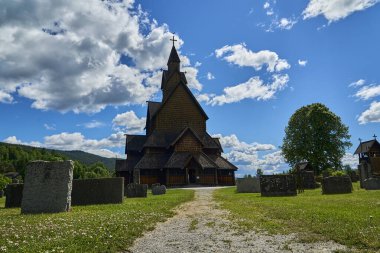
pixel 336 185
pixel 13 194
pixel 371 184
pixel 278 185
pixel 97 191
pixel 136 190
pixel 158 189
pixel 248 185
pixel 47 187
pixel 308 179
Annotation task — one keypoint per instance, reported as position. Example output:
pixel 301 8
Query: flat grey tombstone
pixel 13 194
pixel 371 184
pixel 248 185
pixel 136 190
pixel 158 189
pixel 278 185
pixel 336 185
pixel 47 187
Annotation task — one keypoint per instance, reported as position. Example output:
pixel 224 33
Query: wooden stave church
pixel 176 149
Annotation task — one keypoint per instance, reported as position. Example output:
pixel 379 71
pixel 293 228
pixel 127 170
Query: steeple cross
pixel 173 40
pixel 374 136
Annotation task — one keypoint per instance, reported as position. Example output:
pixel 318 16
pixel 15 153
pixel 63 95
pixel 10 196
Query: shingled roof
pixel 366 146
pixel 205 161
pixel 152 161
pixel 173 56
pixel 135 142
pixel 166 75
pixel 178 160
pixel 160 140
pixel 222 162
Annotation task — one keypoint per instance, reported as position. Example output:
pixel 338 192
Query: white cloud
pixel 49 127
pixel 333 10
pixel 129 122
pixel 210 76
pixel 241 56
pixel 368 92
pixel 266 5
pixel 358 83
pixel 350 159
pixel 254 88
pixel 14 140
pixel 302 62
pixel 197 64
pixel 372 114
pixel 68 54
pixel 286 23
pixel 93 124
pixel 246 156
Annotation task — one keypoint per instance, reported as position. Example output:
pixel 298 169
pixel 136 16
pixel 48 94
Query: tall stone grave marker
pixel 47 187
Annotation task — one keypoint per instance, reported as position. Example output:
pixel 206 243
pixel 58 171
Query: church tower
pixel 176 150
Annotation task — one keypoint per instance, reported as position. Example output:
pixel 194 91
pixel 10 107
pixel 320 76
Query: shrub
pixel 4 181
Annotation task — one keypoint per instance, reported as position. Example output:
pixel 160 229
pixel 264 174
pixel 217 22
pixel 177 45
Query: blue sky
pixel 76 75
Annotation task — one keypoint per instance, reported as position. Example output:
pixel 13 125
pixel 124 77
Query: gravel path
pixel 200 226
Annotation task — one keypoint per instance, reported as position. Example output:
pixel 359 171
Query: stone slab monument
pixel 278 185
pixel 47 187
pixel 336 185
pixel 248 185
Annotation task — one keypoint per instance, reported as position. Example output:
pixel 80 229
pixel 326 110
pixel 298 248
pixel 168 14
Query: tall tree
pixel 317 135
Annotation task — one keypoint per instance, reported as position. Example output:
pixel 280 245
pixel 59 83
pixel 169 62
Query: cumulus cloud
pixel 334 10
pixel 358 83
pixel 372 114
pixel 129 123
pixel 77 141
pixel 247 155
pixel 254 88
pixel 368 92
pixel 210 76
pixel 286 23
pixel 266 5
pixel 241 56
pixel 302 62
pixel 66 55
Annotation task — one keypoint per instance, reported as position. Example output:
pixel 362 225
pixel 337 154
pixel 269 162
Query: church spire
pixel 174 61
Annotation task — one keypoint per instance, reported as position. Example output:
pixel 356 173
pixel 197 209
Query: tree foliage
pixel 14 158
pixel 317 135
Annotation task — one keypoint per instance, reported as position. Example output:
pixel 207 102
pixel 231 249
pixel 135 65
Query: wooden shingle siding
pixel 180 112
pixel 188 143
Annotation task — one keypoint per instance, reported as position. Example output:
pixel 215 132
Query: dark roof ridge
pixel 186 129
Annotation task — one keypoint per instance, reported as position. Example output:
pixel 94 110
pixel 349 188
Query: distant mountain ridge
pixel 76 155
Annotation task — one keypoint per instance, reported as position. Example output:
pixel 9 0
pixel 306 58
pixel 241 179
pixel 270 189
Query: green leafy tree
pixel 317 135
pixel 4 181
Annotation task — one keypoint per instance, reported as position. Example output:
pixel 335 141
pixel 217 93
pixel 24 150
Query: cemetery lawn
pixel 97 228
pixel 349 219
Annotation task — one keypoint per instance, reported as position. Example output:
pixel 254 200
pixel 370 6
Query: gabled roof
pixel 366 146
pixel 160 140
pixel 212 143
pixel 222 162
pixel 181 83
pixel 135 142
pixel 166 75
pixel 152 161
pixel 205 161
pixel 173 56
pixel 187 129
pixel 178 160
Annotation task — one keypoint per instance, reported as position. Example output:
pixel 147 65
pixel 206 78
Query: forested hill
pixel 14 156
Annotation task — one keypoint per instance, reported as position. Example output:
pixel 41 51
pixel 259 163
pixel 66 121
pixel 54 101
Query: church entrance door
pixel 192 176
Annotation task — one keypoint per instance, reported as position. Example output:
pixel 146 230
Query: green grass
pixel 350 219
pixel 97 228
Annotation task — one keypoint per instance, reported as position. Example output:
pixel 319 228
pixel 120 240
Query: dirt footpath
pixel 200 226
